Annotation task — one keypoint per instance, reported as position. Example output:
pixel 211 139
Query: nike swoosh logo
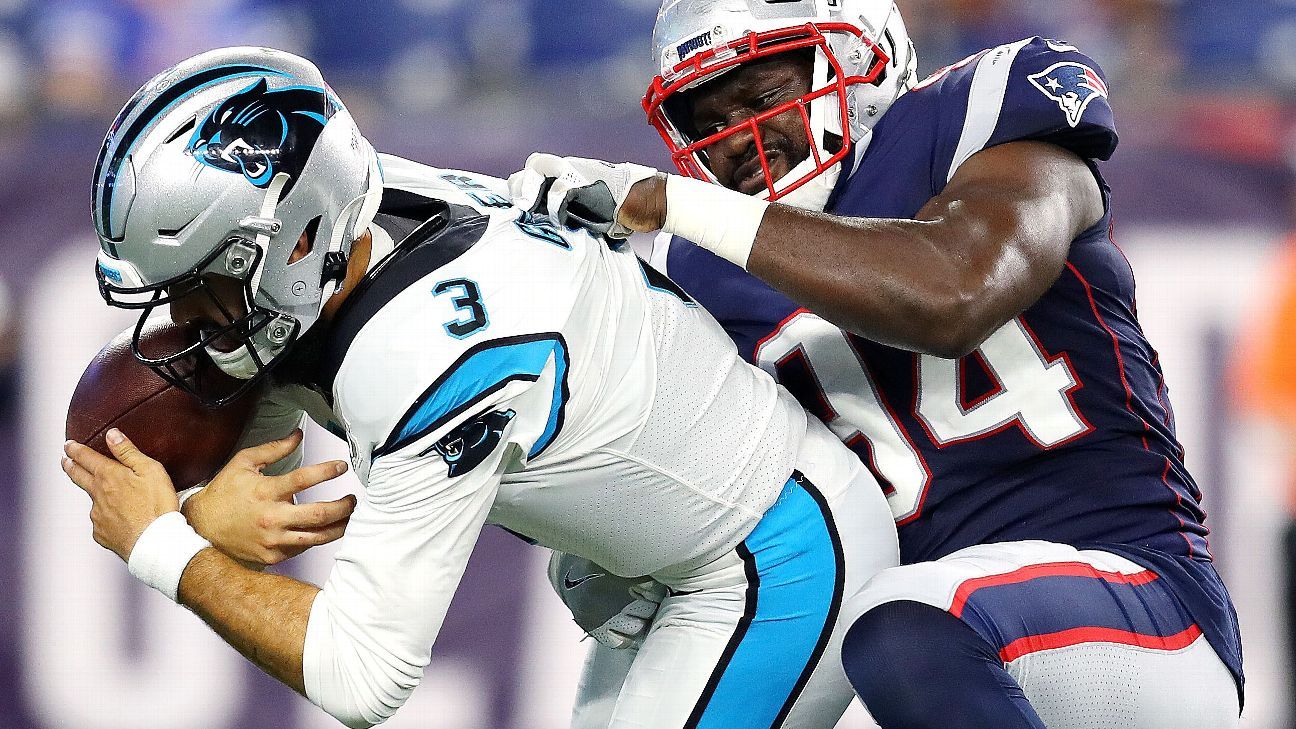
pixel 571 584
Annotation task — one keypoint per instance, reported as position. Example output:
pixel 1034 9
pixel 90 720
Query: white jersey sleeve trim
pixel 985 101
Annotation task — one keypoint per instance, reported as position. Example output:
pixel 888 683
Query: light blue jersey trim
pixel 483 370
pixel 649 284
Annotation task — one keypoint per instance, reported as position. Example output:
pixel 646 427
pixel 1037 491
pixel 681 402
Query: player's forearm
pixel 891 281
pixel 262 615
pixel 976 255
pixel 939 284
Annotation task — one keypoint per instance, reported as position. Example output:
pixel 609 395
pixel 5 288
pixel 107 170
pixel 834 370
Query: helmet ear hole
pixel 894 53
pixel 306 243
pixel 881 76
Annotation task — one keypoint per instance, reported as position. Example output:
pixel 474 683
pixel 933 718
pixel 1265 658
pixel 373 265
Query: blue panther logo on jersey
pixel 259 133
pixel 465 447
pixel 1072 85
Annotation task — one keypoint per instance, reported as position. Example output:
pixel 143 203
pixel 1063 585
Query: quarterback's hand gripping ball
pixel 191 440
pixel 615 611
pixel 252 517
pixel 578 193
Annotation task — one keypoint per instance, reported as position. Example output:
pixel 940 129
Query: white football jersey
pixel 631 432
pixel 495 368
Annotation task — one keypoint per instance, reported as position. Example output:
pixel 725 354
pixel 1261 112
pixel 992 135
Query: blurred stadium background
pixel 1204 93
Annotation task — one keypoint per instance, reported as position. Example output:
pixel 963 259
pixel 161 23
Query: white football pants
pixel 753 640
pixel 1087 684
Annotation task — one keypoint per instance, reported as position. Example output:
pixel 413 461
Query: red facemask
pixel 689 156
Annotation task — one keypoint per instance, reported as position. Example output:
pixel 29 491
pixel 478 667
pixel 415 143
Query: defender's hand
pixel 252 518
pixel 606 199
pixel 615 611
pixel 128 492
pixel 629 627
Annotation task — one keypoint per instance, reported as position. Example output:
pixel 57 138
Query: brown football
pixel 192 440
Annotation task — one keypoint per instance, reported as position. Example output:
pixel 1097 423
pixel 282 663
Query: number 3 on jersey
pixel 1033 393
pixel 468 299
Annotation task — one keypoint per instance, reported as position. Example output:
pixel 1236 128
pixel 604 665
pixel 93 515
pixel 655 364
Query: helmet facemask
pixel 262 335
pixel 826 111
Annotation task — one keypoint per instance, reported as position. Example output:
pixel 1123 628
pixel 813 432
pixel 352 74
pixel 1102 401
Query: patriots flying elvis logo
pixel 259 133
pixel 1072 85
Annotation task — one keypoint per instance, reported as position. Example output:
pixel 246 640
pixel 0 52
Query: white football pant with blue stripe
pixel 753 639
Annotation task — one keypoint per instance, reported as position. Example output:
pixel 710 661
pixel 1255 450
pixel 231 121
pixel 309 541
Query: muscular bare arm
pixel 979 253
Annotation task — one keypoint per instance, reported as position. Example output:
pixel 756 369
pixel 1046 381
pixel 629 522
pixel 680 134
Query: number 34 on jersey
pixel 1033 394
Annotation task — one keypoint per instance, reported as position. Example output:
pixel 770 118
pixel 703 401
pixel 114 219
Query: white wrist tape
pixel 163 551
pixel 718 219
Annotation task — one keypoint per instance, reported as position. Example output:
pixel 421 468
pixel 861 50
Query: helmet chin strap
pixel 380 246
pixel 813 195
pixel 266 225
pixel 239 363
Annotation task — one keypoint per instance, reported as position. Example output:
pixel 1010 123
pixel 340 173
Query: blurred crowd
pixel 62 58
pixel 1214 71
pixel 79 58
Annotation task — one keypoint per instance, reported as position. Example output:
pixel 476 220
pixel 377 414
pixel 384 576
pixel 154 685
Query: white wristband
pixel 718 219
pixel 163 551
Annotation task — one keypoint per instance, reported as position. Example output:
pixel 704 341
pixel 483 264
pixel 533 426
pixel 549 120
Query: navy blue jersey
pixel 1059 427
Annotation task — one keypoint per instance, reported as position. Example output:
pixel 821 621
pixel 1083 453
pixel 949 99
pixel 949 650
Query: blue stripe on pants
pixel 794 564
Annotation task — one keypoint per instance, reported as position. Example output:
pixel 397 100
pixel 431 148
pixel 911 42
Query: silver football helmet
pixel 863 61
pixel 217 167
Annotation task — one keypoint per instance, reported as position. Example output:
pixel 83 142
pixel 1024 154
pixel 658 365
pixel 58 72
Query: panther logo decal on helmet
pixel 258 133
